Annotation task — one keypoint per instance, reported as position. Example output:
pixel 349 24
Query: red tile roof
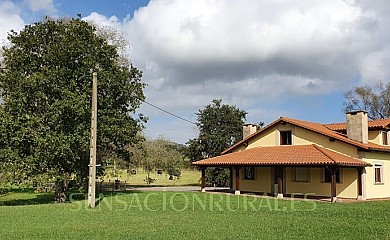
pixel 336 126
pixel 379 123
pixel 293 155
pixel 314 127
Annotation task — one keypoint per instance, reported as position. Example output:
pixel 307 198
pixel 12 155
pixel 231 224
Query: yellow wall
pixel 304 137
pixel 375 136
pixel 264 183
pixel 347 188
pixel 301 136
pixel 261 183
pixel 377 190
pixel 266 138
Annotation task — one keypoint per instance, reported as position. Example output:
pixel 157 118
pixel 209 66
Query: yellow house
pixel 290 157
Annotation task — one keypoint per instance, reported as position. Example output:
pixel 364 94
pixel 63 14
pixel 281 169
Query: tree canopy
pixel 220 126
pixel 158 154
pixel 375 99
pixel 46 87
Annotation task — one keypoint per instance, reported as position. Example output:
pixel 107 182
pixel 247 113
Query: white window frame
pixel 378 165
pixel 283 129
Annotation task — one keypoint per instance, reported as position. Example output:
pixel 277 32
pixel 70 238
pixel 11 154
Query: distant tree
pixel 46 88
pixel 373 99
pixel 158 154
pixel 220 126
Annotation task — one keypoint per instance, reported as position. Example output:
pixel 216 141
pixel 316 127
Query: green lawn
pixel 169 215
pixel 188 177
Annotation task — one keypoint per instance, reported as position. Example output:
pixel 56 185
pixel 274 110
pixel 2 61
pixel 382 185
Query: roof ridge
pixel 342 137
pixel 288 118
pixel 323 152
pixel 335 123
pixel 369 121
pixel 328 127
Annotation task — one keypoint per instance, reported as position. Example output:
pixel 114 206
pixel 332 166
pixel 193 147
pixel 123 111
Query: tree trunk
pixel 60 196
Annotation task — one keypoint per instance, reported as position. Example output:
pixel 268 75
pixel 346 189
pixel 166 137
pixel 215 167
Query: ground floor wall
pixel 261 183
pixel 264 182
pixel 346 188
pixel 373 188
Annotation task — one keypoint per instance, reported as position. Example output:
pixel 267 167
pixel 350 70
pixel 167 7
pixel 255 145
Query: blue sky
pixel 121 9
pixel 272 58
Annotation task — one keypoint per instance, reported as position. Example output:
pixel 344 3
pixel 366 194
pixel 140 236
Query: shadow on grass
pixel 77 196
pixel 25 199
pixel 19 197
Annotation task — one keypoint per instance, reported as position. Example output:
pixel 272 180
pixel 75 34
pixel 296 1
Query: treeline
pixel 159 154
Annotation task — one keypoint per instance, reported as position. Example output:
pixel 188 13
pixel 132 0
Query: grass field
pixel 188 177
pixel 170 215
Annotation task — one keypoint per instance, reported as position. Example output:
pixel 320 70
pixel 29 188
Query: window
pixel 384 138
pixel 378 173
pixel 285 137
pixel 327 176
pixel 300 174
pixel 249 173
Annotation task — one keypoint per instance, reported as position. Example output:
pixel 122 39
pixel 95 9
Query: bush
pixel 219 177
pixel 4 190
pixel 149 180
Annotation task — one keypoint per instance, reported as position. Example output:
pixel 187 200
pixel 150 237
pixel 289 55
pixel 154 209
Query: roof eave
pixel 378 149
pixel 280 164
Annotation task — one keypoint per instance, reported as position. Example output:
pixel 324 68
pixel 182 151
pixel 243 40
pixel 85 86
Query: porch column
pixel 360 183
pixel 279 176
pixel 333 183
pixel 231 179
pixel 237 190
pixel 203 188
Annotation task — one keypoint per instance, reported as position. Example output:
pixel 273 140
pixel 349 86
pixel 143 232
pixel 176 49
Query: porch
pixel 305 170
pixel 318 182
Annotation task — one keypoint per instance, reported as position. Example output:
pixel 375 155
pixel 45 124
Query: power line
pixel 167 112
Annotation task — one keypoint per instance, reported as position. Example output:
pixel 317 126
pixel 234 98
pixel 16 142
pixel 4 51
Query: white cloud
pixel 102 20
pixel 9 19
pixel 46 6
pixel 252 52
pixel 375 66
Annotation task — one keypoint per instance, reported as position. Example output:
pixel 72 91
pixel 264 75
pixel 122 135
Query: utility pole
pixel 92 152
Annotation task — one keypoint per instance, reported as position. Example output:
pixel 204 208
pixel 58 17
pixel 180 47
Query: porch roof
pixel 291 155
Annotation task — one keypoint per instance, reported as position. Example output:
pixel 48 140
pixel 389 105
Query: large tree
pixel 220 126
pixel 46 86
pixel 375 99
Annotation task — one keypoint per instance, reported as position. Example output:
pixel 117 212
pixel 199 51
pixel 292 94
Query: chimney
pixel 248 129
pixel 357 126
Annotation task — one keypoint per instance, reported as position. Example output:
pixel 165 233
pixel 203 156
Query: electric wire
pixel 167 112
